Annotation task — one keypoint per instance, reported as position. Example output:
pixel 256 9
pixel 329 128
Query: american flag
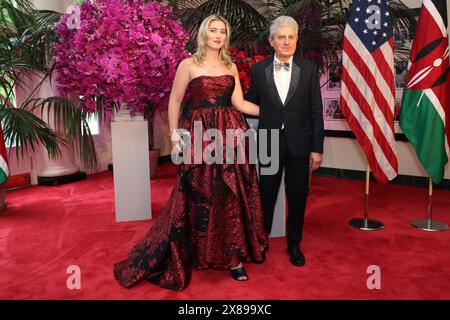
pixel 368 86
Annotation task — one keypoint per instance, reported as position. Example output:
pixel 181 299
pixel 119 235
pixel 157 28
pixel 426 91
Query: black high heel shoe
pixel 238 273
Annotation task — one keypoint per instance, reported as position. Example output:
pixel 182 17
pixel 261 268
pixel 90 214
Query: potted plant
pixel 120 51
pixel 26 38
pixel 24 41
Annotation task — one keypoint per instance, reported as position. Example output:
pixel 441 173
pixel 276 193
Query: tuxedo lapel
pixel 295 79
pixel 272 86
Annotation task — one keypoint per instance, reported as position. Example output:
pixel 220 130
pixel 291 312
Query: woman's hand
pixel 176 138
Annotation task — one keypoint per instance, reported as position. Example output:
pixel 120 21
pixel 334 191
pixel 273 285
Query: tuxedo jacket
pixel 302 111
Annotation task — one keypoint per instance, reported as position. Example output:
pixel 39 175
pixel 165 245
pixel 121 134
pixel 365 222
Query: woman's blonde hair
pixel 202 36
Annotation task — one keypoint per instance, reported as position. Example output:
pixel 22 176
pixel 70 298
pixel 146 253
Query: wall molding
pixel 407 180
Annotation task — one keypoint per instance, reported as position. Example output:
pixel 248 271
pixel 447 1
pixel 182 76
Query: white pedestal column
pixel 129 138
pixel 279 215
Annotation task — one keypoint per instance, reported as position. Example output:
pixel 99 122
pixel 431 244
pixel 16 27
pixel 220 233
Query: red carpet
pixel 46 229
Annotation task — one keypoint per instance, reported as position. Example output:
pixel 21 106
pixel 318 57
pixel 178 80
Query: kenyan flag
pixel 426 98
pixel 4 172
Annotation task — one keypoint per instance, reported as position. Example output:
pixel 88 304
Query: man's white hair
pixel 282 21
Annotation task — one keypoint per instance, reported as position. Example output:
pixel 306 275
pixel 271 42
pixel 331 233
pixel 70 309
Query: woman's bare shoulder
pixel 187 63
pixel 234 69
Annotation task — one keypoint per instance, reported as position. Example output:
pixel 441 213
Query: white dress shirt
pixel 282 80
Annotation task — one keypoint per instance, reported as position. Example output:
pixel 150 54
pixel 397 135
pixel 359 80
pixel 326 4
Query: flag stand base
pixel 429 225
pixel 366 224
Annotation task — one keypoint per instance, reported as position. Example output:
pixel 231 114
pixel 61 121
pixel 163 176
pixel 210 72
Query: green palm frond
pixel 86 146
pixel 70 119
pixel 248 25
pixel 45 22
pixel 25 43
pixel 26 130
pixel 16 16
pixel 320 28
pixel 402 17
pixel 25 6
pixel 401 57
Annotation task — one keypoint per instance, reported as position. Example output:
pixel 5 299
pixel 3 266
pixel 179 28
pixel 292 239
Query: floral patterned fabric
pixel 214 216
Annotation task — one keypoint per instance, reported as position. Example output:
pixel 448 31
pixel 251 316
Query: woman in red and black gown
pixel 214 216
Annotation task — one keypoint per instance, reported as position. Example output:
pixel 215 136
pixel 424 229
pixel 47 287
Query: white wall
pixel 338 152
pixel 344 153
pixel 55 5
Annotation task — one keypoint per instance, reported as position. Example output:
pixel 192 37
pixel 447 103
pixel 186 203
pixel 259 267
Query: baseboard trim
pixel 415 181
pixel 407 180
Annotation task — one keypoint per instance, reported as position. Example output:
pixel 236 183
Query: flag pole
pixel 429 224
pixel 366 224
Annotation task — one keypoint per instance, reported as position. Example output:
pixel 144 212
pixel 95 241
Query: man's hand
pixel 315 159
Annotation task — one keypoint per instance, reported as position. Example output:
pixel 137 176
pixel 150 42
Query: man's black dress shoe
pixel 297 257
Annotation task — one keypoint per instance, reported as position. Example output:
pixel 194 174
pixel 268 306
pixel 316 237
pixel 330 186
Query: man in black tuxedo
pixel 287 89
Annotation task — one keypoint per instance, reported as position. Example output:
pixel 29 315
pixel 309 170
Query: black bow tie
pixel 279 65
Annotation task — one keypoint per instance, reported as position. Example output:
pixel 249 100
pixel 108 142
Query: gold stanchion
pixel 429 224
pixel 365 223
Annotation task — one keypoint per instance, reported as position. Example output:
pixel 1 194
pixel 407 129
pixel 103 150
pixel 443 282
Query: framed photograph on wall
pixel 332 109
pixel 334 77
pixel 335 124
